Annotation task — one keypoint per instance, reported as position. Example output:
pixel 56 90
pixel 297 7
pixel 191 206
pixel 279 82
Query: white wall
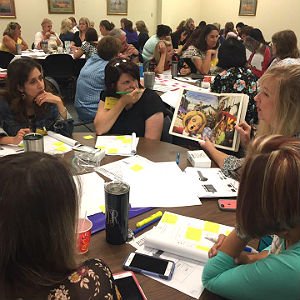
pixel 271 16
pixel 31 12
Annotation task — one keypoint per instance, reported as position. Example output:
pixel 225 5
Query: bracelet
pixel 242 236
pixel 64 111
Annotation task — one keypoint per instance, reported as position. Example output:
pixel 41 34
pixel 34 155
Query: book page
pixel 185 236
pixel 200 115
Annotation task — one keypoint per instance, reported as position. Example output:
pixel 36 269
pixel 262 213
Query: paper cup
pixel 84 231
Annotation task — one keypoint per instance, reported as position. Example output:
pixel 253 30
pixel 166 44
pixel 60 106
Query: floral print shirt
pixel 93 280
pixel 238 80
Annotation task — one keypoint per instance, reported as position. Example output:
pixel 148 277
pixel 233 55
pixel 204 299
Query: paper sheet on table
pixel 153 184
pixel 187 274
pixel 10 149
pixel 124 145
pixel 217 184
pixel 54 146
pixel 163 84
pixel 92 193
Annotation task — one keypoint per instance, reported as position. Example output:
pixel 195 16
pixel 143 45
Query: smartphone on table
pixel 227 204
pixel 129 286
pixel 149 265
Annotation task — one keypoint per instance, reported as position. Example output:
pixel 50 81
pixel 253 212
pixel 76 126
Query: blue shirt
pixel 90 83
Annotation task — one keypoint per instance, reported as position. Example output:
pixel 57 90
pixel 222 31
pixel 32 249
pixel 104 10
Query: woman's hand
pixel 207 145
pixel 162 48
pixel 47 97
pixel 244 129
pixel 213 251
pixel 19 136
pixel 132 97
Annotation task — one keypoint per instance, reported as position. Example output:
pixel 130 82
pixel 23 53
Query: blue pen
pixel 146 225
pixel 177 158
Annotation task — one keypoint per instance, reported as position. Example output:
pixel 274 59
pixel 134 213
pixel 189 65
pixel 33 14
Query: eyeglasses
pixel 120 62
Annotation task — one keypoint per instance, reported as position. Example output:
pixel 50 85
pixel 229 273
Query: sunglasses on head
pixel 116 64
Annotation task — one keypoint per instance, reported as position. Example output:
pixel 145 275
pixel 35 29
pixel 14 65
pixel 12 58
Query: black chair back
pixel 59 66
pixel 5 59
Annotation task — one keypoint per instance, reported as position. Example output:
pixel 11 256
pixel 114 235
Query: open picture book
pixel 200 114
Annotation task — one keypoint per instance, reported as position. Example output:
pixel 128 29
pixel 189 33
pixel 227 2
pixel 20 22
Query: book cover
pixel 185 236
pixel 199 115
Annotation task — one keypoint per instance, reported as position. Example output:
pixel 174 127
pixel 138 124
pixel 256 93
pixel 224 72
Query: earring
pixel 23 96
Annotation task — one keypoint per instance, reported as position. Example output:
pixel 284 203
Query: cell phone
pixel 149 265
pixel 129 286
pixel 227 204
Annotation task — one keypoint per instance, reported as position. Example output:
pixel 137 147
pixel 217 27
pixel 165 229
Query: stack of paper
pixel 153 184
pixel 124 145
pixel 212 183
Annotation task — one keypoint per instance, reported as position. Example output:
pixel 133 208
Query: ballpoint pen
pixel 123 93
pixel 149 219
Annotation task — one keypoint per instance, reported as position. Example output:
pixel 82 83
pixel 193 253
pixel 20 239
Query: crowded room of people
pixel 149 149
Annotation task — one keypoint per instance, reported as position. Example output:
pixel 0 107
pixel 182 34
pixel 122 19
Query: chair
pixel 61 67
pixel 5 59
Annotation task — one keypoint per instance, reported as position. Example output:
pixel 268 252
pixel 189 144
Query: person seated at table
pixel 268 204
pixel 79 36
pixel 47 34
pixel 38 236
pixel 27 103
pixel 131 34
pixel 74 24
pixel 143 34
pixel 128 50
pixel 260 57
pixel 126 107
pixel 162 33
pixel 66 33
pixel 90 82
pixel 89 46
pixel 179 37
pixel 202 47
pixel 284 48
pixel 278 111
pixel 105 27
pixel 12 37
pixel 236 77
pixel 162 58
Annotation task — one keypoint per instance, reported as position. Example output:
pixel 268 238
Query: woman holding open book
pixel 268 203
pixel 278 113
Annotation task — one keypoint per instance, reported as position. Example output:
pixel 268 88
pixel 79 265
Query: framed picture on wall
pixel 248 7
pixel 61 7
pixel 117 7
pixel 7 9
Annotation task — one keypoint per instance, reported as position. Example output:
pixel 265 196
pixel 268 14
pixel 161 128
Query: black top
pixel 134 119
pixel 77 41
pixel 142 39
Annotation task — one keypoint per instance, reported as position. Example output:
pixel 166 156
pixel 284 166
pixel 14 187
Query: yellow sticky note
pixel 110 102
pixel 41 131
pixel 58 143
pixel 88 137
pixel 193 234
pixel 136 168
pixel 112 150
pixel 211 227
pixel 102 208
pixel 169 218
pixel 120 137
pixel 203 248
pixel 227 232
pixel 61 148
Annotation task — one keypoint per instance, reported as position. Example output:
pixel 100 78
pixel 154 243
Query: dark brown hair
pixel 109 47
pixel 269 192
pixel 113 71
pixel 286 44
pixel 38 213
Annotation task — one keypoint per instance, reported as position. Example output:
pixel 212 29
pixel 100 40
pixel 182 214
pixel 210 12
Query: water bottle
pixel 174 69
pixel 18 49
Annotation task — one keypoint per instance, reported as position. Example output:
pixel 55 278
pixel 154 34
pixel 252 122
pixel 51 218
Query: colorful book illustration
pixel 199 115
pixel 185 236
pixel 124 145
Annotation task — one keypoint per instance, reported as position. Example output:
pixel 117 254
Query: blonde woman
pixel 162 57
pixel 79 36
pixel 66 33
pixel 46 34
pixel 278 109
pixel 12 37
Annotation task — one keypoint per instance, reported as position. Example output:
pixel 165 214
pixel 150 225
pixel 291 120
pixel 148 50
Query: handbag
pixel 64 127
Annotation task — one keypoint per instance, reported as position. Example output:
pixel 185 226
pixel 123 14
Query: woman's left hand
pixel 47 97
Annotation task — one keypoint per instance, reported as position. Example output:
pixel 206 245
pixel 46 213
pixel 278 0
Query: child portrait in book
pixel 199 115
